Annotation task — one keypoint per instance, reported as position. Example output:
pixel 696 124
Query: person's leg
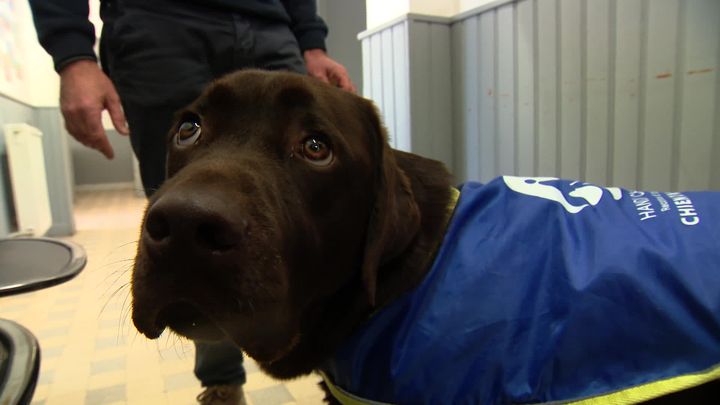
pixel 159 62
pixel 217 363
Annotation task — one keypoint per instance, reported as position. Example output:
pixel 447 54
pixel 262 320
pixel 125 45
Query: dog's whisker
pixel 132 242
pixel 157 348
pixel 118 275
pixel 125 311
pixel 123 264
pixel 113 295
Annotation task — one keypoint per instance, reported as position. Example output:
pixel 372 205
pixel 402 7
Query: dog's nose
pixel 196 224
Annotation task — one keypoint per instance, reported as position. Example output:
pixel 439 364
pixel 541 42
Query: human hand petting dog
pixel 323 67
pixel 85 91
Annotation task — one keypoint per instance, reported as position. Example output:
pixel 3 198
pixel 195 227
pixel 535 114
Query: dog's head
pixel 281 192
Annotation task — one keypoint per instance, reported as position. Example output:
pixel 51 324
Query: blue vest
pixel 549 290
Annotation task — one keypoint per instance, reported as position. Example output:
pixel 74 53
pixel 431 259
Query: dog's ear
pixel 395 218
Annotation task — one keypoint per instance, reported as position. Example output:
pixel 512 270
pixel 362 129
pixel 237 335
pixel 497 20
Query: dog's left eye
pixel 317 151
pixel 188 133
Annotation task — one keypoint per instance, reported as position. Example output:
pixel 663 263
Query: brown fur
pixel 248 240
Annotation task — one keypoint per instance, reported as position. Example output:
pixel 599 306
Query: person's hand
pixel 85 91
pixel 323 67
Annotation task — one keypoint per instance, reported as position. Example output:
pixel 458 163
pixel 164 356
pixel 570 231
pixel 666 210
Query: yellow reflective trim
pixel 344 397
pixel 454 197
pixel 654 389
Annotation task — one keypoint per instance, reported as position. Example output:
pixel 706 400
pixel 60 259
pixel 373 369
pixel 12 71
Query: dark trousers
pixel 160 55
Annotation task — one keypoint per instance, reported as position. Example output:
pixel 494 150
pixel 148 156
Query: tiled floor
pixel 91 353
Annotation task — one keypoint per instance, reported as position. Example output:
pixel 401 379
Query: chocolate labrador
pixel 284 220
pixel 289 226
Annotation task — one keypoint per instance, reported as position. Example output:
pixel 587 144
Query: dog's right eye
pixel 317 151
pixel 188 133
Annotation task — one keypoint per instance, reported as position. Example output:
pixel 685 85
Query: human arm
pixel 85 91
pixel 321 66
pixel 64 30
pixel 68 36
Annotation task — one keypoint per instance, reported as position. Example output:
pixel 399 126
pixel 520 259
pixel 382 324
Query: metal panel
pixel 571 89
pixel 699 56
pixel 597 91
pixel 629 63
pixel 385 68
pixel 505 95
pixel 471 89
pixel 715 178
pixel 526 68
pixel 660 81
pixel 464 125
pixel 401 124
pixel 366 68
pixel 615 92
pixel 376 72
pixel 439 133
pixel 547 101
pixel 421 95
pixel 389 84
pixel 409 79
pixel 487 116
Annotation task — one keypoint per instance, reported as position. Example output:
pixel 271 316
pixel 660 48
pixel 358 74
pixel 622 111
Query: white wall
pixel 382 11
pixel 465 5
pixel 26 72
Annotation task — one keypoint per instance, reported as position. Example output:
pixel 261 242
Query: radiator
pixel 26 162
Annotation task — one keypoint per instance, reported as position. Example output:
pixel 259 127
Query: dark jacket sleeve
pixel 64 30
pixel 309 29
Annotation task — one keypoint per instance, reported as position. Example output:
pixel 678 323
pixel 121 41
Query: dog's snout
pixel 194 224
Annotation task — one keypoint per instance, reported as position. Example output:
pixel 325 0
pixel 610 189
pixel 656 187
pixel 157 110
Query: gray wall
pixel 620 93
pixel 407 73
pixel 92 168
pixel 57 164
pixel 345 20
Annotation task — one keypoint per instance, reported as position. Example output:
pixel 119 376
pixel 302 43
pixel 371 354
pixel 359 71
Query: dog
pixel 289 226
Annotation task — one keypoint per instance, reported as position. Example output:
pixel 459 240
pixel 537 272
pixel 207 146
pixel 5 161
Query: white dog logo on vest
pixel 538 187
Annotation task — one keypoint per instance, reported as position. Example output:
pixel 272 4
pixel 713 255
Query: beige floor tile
pixel 257 381
pixel 183 397
pixel 149 399
pixel 107 379
pixel 316 399
pixel 304 388
pixel 75 397
pixel 84 326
